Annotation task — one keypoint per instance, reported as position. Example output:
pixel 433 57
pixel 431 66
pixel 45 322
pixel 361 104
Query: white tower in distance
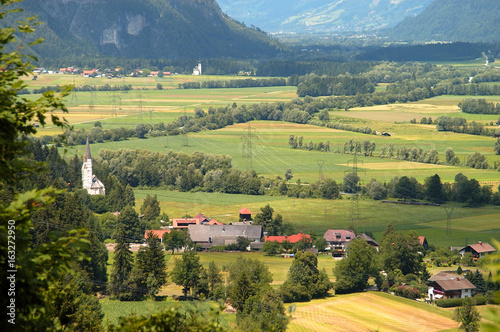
pixel 90 182
pixel 197 69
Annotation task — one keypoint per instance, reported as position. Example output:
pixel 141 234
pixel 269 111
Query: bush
pixel 449 303
pixel 408 292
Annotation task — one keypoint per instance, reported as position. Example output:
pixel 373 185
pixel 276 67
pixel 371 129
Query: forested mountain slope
pixel 143 29
pixel 452 20
pixel 322 15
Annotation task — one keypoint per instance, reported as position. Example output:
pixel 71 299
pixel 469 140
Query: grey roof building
pixel 217 235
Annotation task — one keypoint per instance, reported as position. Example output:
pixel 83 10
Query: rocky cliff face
pixel 147 28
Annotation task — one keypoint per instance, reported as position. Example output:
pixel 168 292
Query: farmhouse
pixel 449 285
pixel 199 219
pixel 90 182
pixel 478 250
pixel 368 240
pixel 423 242
pixel 158 232
pixel 338 240
pixel 292 238
pixel 218 235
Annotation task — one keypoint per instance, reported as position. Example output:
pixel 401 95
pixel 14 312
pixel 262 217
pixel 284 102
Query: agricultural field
pixel 272 156
pixel 356 312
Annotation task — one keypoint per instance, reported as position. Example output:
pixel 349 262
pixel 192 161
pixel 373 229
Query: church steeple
pixel 87 151
pixel 89 181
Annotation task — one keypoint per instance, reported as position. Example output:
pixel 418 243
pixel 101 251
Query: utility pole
pixel 139 107
pixel 185 138
pixel 92 101
pixel 247 145
pixel 320 165
pixel 354 206
pixel 448 220
pixel 73 95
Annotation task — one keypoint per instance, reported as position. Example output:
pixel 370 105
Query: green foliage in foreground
pixel 175 318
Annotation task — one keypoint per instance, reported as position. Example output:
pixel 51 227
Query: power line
pixel 247 145
pixel 320 165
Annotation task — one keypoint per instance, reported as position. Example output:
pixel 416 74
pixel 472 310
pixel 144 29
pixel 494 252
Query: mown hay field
pixel 369 312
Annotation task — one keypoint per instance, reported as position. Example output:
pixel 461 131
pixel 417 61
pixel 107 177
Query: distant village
pixel 110 73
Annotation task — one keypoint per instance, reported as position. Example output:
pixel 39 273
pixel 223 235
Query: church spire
pixel 87 151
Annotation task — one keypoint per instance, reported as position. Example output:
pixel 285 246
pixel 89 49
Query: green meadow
pixel 272 156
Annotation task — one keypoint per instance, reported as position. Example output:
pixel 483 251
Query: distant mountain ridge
pixel 322 15
pixel 173 29
pixel 452 20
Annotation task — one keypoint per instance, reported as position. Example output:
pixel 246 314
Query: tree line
pixel 479 106
pixel 241 83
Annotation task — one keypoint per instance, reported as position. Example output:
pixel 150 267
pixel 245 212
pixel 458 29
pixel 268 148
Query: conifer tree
pixel 133 231
pixel 151 265
pixel 122 265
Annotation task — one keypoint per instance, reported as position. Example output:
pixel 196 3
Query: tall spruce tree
pixel 133 230
pixel 122 265
pixel 151 264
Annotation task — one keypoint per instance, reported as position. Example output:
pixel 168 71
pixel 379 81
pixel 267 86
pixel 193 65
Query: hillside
pixel 451 20
pixel 143 29
pixel 322 15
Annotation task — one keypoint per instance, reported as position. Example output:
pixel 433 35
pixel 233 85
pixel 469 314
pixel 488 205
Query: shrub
pixel 449 303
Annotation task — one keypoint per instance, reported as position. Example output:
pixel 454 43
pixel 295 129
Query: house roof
pixel 213 222
pixel 421 240
pixel 158 232
pixel 96 183
pixel 367 239
pixel 292 238
pixel 339 235
pixel 185 222
pixel 481 247
pixel 203 233
pixel 455 284
pixel 444 275
pixel 245 211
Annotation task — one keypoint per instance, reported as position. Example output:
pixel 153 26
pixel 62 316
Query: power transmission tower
pixel 139 107
pixel 320 165
pixel 354 213
pixel 92 101
pixel 448 220
pixel 247 145
pixel 185 138
pixel 73 95
pixel 113 107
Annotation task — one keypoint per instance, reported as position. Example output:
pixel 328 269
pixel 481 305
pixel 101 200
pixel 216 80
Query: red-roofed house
pixel 449 285
pixel 185 222
pixel 338 240
pixel 292 238
pixel 88 72
pixel 423 242
pixel 245 214
pixel 213 222
pixel 478 250
pixel 158 232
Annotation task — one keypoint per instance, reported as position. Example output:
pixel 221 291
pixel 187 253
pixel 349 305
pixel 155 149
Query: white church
pixel 90 182
pixel 197 69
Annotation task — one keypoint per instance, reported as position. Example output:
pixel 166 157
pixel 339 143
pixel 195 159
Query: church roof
pixel 87 151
